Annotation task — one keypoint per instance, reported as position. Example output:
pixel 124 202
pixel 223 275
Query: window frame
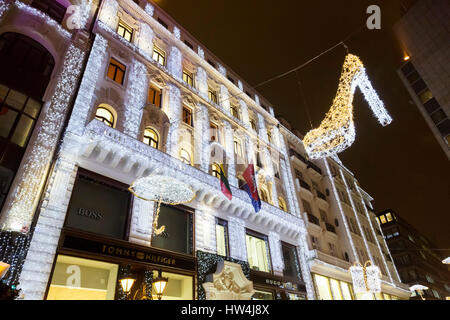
pixel 150 139
pixel 103 119
pixel 117 65
pixel 187 114
pixel 126 30
pixel 223 223
pixel 160 53
pixel 263 237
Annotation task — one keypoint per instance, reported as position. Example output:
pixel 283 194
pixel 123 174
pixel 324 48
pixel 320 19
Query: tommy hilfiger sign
pixel 123 251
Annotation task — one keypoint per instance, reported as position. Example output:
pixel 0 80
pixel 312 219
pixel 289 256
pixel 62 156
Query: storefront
pixel 94 254
pixel 271 287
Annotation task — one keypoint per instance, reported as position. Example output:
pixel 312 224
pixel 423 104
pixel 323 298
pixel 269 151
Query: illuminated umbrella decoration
pixel 419 288
pixel 337 131
pixel 161 189
pixel 366 278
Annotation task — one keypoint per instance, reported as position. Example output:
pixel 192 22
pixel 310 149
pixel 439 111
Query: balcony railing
pixel 330 227
pixel 292 152
pixel 314 167
pixel 305 185
pixel 313 219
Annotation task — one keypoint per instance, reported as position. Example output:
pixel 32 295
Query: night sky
pixel 402 165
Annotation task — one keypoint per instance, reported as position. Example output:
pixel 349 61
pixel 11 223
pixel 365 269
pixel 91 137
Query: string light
pixel 337 131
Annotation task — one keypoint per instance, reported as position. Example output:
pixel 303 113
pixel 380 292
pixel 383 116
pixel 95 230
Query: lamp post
pixel 160 284
pixel 127 282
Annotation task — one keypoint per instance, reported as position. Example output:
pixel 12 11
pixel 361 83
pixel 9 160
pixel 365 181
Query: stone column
pixel 41 253
pixel 238 244
pixel 276 253
pixel 229 147
pixel 145 41
pixel 225 99
pixel 142 222
pixel 201 138
pixel 202 82
pixel 205 231
pixel 303 254
pixel 174 63
pixel 174 112
pixel 244 113
pixel 135 99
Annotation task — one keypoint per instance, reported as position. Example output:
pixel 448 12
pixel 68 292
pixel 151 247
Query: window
pixel 151 138
pixel 383 219
pixel 185 156
pixel 189 44
pixel 290 258
pixel 222 237
pixel 436 294
pixel 53 9
pixel 155 96
pixel 105 116
pixel 237 148
pixel 82 279
pixel 438 116
pixel 212 95
pixel 159 55
pixel 253 124
pixel 215 170
pixel 214 132
pixel 315 243
pixel 18 114
pixel 188 78
pixel 323 215
pixel 282 204
pixel 161 22
pixel 425 96
pixel 332 248
pixel 187 116
pixel 116 71
pixel 258 252
pixel 234 111
pixel 323 287
pixel 269 135
pixel 125 31
pixel 429 278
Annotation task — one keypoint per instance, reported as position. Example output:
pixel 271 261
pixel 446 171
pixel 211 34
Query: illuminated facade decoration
pixel 337 131
pixel 103 152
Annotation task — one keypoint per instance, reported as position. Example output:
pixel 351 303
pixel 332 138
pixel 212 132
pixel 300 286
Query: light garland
pixel 174 115
pixel 174 64
pixel 26 193
pixel 365 278
pixel 275 251
pixel 201 78
pixel 149 9
pixel 176 32
pixel 4 7
pixel 337 131
pixel 108 13
pixel 135 98
pixel 145 41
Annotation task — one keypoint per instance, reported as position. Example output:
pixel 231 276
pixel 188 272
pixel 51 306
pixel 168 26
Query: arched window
pixel 215 170
pixel 282 204
pixel 185 156
pixel 151 138
pixel 105 116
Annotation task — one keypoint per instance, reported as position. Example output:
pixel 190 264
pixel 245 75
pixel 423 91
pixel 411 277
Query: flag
pixel 251 187
pixel 224 185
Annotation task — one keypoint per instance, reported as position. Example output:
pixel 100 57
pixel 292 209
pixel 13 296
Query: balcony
pixel 322 200
pixel 329 227
pixel 305 189
pixel 313 219
pixel 314 170
pixel 328 259
pixel 298 159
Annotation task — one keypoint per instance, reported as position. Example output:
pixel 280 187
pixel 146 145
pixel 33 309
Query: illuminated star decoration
pixel 337 131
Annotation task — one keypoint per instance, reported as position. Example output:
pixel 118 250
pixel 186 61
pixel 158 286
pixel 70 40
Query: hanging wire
pixel 303 98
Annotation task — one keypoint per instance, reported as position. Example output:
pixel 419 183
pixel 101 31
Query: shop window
pixel 291 264
pixel 346 291
pixel 386 296
pixel 222 237
pixel 335 289
pixel 159 55
pixel 258 252
pixel 151 138
pixel 104 115
pixel 323 287
pixel 187 116
pixel 116 71
pixel 82 279
pixel 179 230
pixel 262 295
pixel 99 205
pixel 185 157
pixel 179 287
pixel 125 31
pixel 155 96
pixel 188 78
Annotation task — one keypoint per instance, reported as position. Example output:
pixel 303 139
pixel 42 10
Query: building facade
pixel 135 95
pixel 415 256
pixel 423 34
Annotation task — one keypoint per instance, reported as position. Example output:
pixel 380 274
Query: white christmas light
pixel 365 278
pixel 26 193
pixel 4 7
pixel 337 130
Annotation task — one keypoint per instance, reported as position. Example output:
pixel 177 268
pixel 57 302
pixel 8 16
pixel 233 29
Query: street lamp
pixel 160 284
pixel 127 282
pixel 3 269
pixel 419 288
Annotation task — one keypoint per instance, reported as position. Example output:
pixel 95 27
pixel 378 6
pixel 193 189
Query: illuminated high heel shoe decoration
pixel 337 131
